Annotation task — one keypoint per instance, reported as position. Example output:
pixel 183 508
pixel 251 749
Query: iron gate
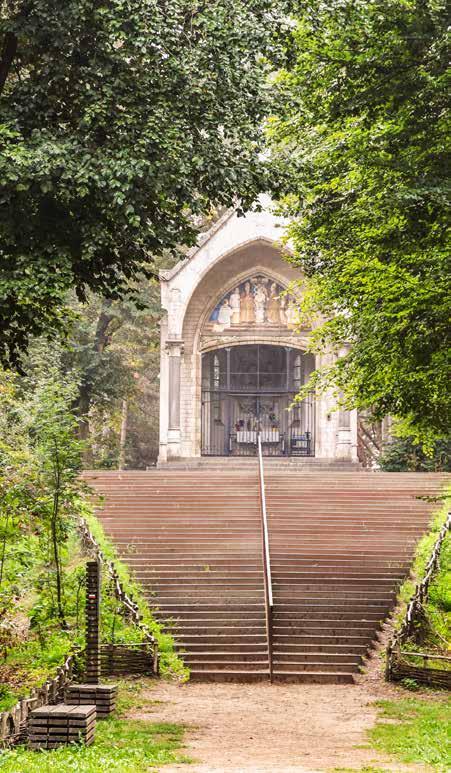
pixel 231 422
pixel 249 389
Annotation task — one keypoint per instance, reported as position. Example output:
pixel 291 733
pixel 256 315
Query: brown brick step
pixel 188 623
pixel 346 650
pixel 325 559
pixel 197 616
pixel 235 629
pixel 325 623
pixel 226 572
pixel 312 677
pixel 296 616
pixel 331 571
pixel 346 658
pixel 342 637
pixel 224 640
pixel 332 627
pixel 230 581
pixel 250 609
pixel 228 597
pixel 229 675
pixel 345 668
pixel 335 605
pixel 341 594
pixel 353 551
pixel 259 657
pixel 260 648
pixel 224 665
pixel 363 583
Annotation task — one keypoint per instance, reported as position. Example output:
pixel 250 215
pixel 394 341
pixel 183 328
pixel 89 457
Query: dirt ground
pixel 263 728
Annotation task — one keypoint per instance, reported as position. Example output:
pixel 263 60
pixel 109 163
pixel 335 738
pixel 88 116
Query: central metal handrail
pixel 266 557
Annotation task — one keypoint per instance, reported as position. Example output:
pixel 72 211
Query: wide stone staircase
pixel 340 544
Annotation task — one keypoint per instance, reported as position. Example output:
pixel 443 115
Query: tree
pixel 57 450
pixel 114 348
pixel 402 455
pixel 40 486
pixel 121 124
pixel 360 136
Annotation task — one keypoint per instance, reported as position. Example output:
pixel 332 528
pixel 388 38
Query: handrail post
pixel 266 558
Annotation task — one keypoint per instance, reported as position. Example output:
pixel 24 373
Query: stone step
pixel 340 544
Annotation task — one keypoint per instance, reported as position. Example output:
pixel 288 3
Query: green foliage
pixel 403 455
pixel 122 744
pixel 434 631
pixel 8 698
pixel 40 459
pixel 410 684
pixel 416 730
pixel 361 137
pixel 42 568
pixel 122 124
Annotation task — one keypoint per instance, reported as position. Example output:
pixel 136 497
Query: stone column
pixel 343 449
pixel 175 351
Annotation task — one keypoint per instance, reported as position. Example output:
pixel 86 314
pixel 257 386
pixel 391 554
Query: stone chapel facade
pixel 232 354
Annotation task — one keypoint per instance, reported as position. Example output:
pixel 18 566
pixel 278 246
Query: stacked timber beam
pixel 93 583
pixel 102 696
pixel 340 543
pixel 52 726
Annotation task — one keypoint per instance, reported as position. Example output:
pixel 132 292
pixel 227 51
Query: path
pixel 262 728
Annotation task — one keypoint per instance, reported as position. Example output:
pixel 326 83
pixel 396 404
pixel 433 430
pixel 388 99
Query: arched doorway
pixel 248 389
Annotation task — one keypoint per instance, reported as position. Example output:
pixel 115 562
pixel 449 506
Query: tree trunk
pixel 101 341
pixel 54 538
pixel 4 540
pixel 9 51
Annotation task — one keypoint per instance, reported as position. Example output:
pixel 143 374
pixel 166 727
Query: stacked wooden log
pixel 53 726
pixel 103 696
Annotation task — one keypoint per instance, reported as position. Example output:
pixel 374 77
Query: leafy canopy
pixel 120 124
pixel 360 135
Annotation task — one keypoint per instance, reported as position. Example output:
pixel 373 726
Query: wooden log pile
pixel 103 696
pixel 52 726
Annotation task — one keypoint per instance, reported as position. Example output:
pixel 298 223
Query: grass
pixel 29 664
pixel 414 730
pixel 365 769
pixel 435 633
pixel 122 744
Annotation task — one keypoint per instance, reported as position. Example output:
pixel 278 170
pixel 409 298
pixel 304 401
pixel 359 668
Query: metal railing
pixel 266 558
